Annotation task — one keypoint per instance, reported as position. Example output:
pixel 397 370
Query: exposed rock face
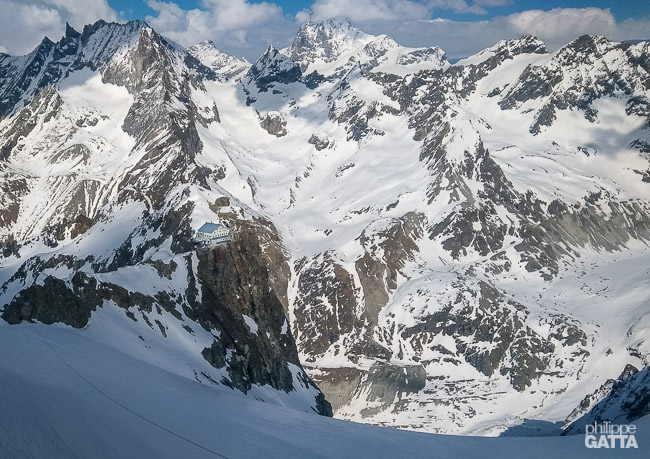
pixel 235 282
pixel 225 66
pixel 147 72
pixel 231 298
pixel 325 311
pixel 26 76
pixel 271 68
pixel 50 303
pixel 319 142
pixel 131 225
pixel 516 349
pixel 274 124
pixel 439 265
pixel 619 401
pixel 323 40
pixel 565 85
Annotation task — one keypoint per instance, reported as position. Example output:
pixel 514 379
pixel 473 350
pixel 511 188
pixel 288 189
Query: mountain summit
pixel 436 247
pixel 325 41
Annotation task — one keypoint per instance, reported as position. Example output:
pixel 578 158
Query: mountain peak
pixel 130 27
pixel 271 51
pixel 589 48
pixel 526 44
pixel 46 41
pixel 206 44
pixel 325 41
pixel 594 44
pixel 333 25
pixel 206 47
pixel 70 32
pixel 223 64
pixel 272 67
pixel 507 49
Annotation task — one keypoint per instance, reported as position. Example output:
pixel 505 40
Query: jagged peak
pixel 271 51
pixel 331 29
pixel 587 48
pixel 332 25
pixel 208 49
pixel 273 66
pixel 136 25
pixel 70 32
pixel 43 48
pixel 111 36
pixel 46 41
pixel 593 43
pixel 273 58
pixel 526 44
pixel 89 30
pixel 271 55
pixel 205 44
pixel 326 41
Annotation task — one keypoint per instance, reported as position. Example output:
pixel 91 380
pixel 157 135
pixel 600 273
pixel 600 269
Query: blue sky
pixel 246 27
pixel 622 10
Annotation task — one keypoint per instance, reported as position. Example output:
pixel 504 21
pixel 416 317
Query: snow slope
pixel 67 395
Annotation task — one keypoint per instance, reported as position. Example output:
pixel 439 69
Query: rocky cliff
pixel 443 247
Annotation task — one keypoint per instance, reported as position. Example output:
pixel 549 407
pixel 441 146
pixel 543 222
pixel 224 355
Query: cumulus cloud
pixel 465 7
pixel 365 10
pixel 243 28
pixel 458 6
pixel 81 12
pixel 388 10
pixel 560 25
pixel 413 22
pixel 24 23
pixel 236 25
pixel 555 27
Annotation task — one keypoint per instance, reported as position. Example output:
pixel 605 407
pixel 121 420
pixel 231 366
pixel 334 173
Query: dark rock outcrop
pixel 622 401
pixel 272 67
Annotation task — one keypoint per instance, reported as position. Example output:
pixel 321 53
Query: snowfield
pixel 67 395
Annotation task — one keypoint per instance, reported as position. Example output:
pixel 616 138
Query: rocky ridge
pixel 434 261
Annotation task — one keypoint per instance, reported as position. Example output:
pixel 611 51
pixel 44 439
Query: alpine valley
pixel 449 248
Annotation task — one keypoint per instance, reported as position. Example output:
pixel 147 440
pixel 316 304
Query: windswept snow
pixel 67 395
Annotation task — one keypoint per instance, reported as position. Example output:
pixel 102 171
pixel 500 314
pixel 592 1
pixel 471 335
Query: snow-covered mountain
pixel 104 176
pixel 333 48
pixel 224 65
pixel 445 248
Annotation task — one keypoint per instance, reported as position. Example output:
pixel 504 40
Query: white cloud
pixel 560 25
pixel 555 27
pixel 366 10
pixel 24 23
pixel 633 29
pixel 388 10
pixel 236 25
pixel 458 6
pixel 462 6
pixel 81 12
pixel 245 29
pixel 490 3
